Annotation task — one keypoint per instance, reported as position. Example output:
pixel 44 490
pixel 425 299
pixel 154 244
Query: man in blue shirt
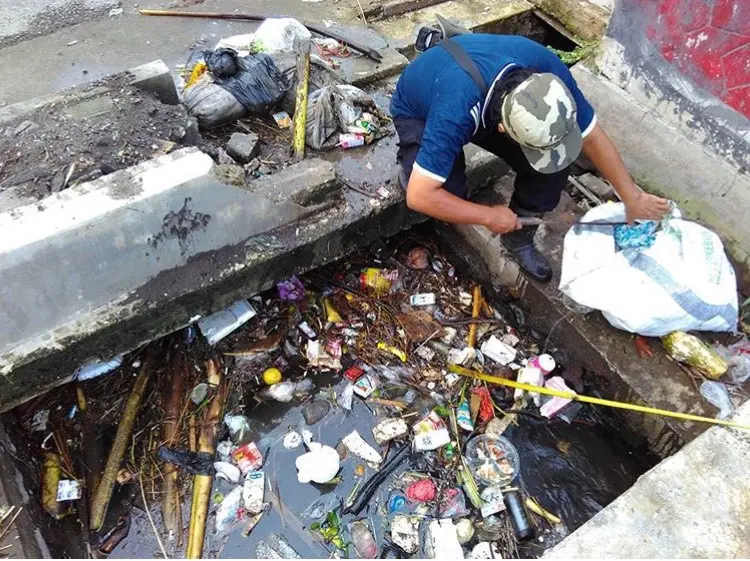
pixel 516 99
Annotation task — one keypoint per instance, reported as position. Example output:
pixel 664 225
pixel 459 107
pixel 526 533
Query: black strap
pixel 465 62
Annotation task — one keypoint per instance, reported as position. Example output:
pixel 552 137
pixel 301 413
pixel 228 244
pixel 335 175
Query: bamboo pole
pixel 120 445
pixel 206 443
pixel 173 395
pixel 476 305
pixel 300 105
pixel 593 400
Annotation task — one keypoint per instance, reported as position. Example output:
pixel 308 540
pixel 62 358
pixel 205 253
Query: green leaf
pixel 338 541
pixel 315 526
pixel 442 410
pixel 332 519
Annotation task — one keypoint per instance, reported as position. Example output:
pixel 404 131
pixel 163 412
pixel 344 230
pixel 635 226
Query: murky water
pixel 573 470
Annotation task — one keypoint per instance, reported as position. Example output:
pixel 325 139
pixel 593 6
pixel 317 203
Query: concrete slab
pixel 90 99
pixel 663 161
pixel 100 47
pixel 695 504
pixel 381 9
pixel 585 19
pixel 75 261
pixel 361 71
pixel 478 15
pixel 145 251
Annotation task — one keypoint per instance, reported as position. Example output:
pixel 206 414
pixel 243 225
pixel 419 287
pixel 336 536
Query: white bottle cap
pixel 546 363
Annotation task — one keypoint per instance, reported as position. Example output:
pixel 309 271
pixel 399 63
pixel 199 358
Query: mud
pixel 63 144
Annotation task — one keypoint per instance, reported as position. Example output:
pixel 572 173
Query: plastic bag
pixel 280 34
pixel 717 395
pixel 232 87
pixel 253 80
pixel 737 356
pixel 197 463
pixel 683 282
pixel 332 109
pixel 211 104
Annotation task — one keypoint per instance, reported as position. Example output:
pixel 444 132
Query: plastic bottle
pixel 519 517
pixel 543 362
pixel 688 348
pixel 363 541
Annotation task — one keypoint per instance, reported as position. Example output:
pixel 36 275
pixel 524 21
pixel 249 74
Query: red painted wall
pixel 707 40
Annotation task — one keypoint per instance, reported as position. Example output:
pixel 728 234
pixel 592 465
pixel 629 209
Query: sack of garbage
pixel 332 109
pixel 321 76
pixel 234 86
pixel 682 282
pixel 211 104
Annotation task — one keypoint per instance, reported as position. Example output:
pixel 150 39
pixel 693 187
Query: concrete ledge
pixel 478 15
pixel 85 259
pixel 152 77
pixel 663 161
pixel 362 71
pixel 381 9
pixel 695 504
pixel 165 255
pixel 584 19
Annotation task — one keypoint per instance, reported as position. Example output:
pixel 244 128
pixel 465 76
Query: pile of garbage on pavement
pixel 413 459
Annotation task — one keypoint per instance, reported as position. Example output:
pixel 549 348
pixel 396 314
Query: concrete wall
pixel 690 61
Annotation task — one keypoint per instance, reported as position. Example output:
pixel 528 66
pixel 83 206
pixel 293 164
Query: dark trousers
pixel 534 191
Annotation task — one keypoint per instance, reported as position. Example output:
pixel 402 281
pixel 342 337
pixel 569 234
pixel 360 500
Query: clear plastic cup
pixel 493 460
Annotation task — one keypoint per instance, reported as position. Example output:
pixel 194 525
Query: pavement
pixel 75 41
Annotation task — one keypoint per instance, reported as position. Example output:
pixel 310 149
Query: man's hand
pixel 501 220
pixel 646 207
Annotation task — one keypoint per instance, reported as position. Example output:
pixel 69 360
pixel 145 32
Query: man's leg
pixel 409 140
pixel 534 194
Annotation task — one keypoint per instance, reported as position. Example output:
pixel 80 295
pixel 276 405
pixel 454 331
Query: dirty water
pixel 572 470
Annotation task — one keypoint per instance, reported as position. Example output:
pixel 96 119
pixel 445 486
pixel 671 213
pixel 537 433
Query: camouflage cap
pixel 540 114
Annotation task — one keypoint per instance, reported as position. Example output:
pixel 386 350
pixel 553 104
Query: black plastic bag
pixel 197 463
pixel 254 80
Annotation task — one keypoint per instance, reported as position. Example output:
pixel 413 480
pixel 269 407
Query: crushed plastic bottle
pixel 362 539
pixel 717 395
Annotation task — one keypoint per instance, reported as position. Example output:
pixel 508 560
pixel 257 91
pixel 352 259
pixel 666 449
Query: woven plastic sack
pixel 683 282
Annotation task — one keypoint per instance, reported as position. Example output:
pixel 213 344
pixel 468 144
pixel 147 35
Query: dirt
pixel 89 138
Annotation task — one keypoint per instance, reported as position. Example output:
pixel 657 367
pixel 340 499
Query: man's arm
pixel 426 195
pixel 639 205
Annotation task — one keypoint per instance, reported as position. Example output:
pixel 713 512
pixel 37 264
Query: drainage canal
pixel 320 333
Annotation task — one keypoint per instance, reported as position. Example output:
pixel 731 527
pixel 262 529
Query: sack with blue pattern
pixel 682 281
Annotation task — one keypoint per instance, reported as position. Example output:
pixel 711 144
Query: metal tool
pixel 534 221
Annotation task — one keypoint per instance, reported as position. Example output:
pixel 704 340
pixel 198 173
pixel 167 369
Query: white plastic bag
pixel 280 34
pixel 683 282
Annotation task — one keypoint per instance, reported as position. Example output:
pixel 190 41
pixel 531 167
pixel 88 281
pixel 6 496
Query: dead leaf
pixel 420 325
